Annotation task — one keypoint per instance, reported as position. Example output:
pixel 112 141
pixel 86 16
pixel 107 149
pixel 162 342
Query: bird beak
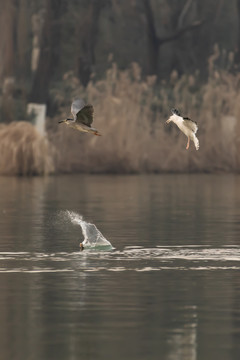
pixel 168 121
pixel 61 121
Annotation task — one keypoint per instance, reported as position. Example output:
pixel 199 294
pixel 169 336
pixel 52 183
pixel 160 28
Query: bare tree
pixel 7 57
pixel 237 55
pixel 7 32
pixel 23 29
pixel 87 34
pixel 49 50
pixel 155 42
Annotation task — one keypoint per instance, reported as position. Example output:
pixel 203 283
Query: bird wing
pixel 85 115
pixel 77 105
pixel 191 125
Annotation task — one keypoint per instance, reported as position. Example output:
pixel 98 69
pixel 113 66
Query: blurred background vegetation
pixel 133 60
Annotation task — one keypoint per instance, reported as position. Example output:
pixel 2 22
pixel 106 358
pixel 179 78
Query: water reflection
pixel 169 289
pixel 131 258
pixel 182 342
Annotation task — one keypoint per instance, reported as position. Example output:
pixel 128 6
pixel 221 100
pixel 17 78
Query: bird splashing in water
pixel 82 117
pixel 93 238
pixel 186 125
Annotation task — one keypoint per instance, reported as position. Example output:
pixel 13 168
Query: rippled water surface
pixel 168 288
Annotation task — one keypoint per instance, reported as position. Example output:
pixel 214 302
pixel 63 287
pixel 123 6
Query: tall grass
pixel 130 112
pixel 24 151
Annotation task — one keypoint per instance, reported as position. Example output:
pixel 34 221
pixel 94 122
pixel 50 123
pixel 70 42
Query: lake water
pixel 170 288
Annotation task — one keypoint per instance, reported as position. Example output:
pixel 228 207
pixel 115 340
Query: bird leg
pixel 187 147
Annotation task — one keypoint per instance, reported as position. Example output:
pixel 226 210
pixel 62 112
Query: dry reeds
pixel 130 112
pixel 24 151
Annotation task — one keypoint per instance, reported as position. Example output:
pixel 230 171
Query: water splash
pixel 93 238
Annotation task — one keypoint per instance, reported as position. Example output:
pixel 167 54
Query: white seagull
pixel 186 125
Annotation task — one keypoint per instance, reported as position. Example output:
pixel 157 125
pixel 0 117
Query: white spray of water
pixel 92 236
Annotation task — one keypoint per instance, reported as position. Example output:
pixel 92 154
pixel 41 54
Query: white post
pixel 38 111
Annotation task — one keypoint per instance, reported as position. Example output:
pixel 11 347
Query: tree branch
pixel 183 13
pixel 150 22
pixel 179 33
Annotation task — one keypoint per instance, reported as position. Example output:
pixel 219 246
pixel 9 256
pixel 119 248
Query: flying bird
pixel 186 125
pixel 82 117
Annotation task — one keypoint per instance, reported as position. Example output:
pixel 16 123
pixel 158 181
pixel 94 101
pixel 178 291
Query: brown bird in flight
pixel 82 117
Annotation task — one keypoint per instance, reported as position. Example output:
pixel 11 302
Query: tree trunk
pixel 153 45
pixel 7 38
pixel 7 58
pixel 49 51
pixel 155 41
pixel 237 55
pixel 23 28
pixel 88 32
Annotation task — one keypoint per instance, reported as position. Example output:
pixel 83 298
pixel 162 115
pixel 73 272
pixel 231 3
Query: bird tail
pixel 176 112
pixel 196 142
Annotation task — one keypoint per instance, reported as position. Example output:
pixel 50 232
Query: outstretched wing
pixel 77 105
pixel 192 125
pixel 85 115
